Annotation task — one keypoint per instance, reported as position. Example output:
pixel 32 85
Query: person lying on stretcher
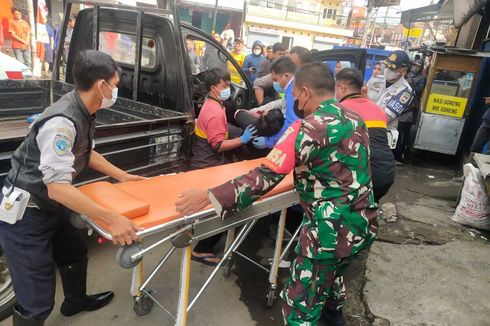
pixel 329 153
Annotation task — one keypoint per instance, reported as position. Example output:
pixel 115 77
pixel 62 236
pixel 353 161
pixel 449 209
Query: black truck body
pixel 149 129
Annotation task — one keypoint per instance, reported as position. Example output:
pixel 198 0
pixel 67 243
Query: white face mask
pixel 225 94
pixel 107 103
pixel 391 75
pixel 257 51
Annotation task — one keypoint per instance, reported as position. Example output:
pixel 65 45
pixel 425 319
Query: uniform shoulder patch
pixel 405 97
pixel 61 144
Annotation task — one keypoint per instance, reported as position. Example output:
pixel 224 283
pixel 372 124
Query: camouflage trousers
pixel 313 284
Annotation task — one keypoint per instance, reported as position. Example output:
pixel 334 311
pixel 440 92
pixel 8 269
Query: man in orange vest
pixel 348 91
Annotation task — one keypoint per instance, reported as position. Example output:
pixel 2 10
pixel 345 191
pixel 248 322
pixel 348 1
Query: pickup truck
pixel 149 129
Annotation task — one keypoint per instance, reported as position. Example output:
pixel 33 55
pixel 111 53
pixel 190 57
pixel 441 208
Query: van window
pixel 122 47
pixel 204 55
pixel 335 65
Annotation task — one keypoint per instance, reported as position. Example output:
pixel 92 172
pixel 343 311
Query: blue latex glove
pixel 259 143
pixel 33 117
pixel 248 134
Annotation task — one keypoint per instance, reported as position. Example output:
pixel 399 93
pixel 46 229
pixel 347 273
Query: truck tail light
pixel 14 74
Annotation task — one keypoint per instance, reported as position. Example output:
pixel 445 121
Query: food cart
pixel 445 102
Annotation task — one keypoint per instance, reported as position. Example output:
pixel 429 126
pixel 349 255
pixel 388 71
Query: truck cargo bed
pixel 13 129
pixel 135 136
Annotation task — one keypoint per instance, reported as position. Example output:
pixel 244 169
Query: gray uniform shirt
pixel 264 82
pixel 55 141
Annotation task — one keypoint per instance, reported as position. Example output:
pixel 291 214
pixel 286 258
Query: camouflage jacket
pixel 329 153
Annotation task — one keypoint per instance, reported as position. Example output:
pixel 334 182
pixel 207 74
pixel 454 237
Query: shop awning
pixel 457 11
pixel 430 13
pixel 465 9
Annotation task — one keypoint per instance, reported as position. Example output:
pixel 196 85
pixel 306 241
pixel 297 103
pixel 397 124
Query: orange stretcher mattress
pixel 161 193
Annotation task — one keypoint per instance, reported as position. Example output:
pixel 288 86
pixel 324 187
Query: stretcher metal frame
pixel 189 229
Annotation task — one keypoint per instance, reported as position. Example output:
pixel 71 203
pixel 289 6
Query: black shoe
pixel 333 317
pixel 86 303
pixel 19 320
pixel 74 280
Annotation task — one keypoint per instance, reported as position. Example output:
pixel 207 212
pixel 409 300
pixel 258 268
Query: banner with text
pixel 414 32
pixel 451 106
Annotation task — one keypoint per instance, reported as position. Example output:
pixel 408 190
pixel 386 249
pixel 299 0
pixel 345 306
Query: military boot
pixel 19 320
pixel 74 280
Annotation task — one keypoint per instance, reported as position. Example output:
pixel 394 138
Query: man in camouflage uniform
pixel 329 153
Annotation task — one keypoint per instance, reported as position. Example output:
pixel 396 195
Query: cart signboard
pixel 444 104
pixel 413 32
pixel 451 106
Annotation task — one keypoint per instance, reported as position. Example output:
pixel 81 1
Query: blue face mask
pixel 277 87
pixel 225 94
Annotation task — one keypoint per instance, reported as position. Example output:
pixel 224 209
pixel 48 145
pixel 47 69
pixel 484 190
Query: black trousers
pixel 32 247
pixel 207 245
pixel 379 192
pixel 481 138
pixel 403 144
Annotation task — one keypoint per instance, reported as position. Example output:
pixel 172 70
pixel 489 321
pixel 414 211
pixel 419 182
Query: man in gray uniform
pixel 58 147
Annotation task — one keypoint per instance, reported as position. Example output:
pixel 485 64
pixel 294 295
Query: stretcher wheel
pixel 271 297
pixel 143 305
pixel 227 267
pixel 124 254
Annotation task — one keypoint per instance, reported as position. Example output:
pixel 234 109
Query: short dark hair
pixel 283 65
pixel 269 47
pixel 239 40
pixel 278 47
pixel 303 53
pixel 14 9
pixel 92 65
pixel 270 122
pixel 316 76
pixel 214 76
pixel 352 77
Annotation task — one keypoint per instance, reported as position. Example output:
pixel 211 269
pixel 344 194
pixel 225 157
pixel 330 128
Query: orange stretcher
pixel 151 205
pixel 155 198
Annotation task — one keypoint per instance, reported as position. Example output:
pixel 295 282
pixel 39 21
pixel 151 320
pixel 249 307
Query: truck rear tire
pixel 7 295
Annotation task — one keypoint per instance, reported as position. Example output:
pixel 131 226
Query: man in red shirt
pixel 211 129
pixel 211 142
pixel 348 91
pixel 20 31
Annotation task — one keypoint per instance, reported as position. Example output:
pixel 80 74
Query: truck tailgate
pixel 13 129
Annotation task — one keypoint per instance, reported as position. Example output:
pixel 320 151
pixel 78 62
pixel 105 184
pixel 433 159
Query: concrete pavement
pixel 424 269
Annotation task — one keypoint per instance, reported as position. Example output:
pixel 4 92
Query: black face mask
pixel 299 114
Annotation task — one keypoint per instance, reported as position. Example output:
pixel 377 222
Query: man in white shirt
pixel 58 147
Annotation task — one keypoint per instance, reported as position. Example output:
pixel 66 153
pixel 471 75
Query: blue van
pixel 373 56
